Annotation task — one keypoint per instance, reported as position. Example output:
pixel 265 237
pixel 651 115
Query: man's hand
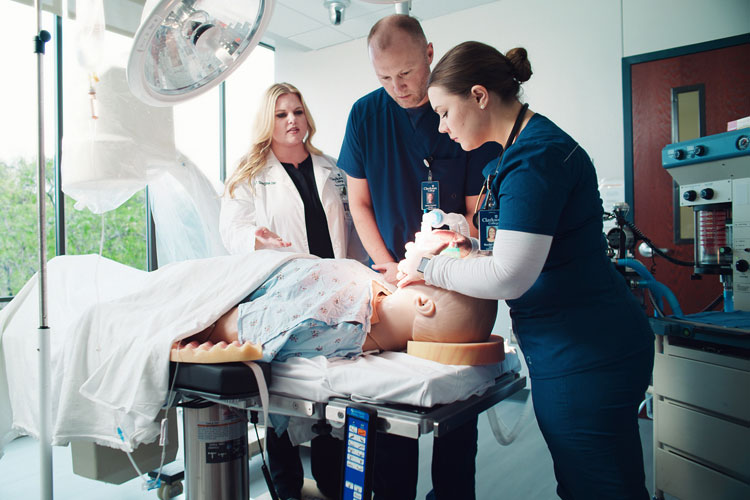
pixel 265 238
pixel 388 270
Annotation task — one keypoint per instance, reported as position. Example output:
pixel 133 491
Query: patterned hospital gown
pixel 310 307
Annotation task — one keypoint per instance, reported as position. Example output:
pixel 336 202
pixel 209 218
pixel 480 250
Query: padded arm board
pixel 208 352
pixel 221 381
pixel 470 353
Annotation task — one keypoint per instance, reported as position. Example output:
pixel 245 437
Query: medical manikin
pixel 341 308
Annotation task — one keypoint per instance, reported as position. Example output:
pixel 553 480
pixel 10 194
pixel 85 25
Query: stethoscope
pixel 489 202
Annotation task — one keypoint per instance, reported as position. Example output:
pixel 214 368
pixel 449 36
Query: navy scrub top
pixel 579 314
pixel 386 146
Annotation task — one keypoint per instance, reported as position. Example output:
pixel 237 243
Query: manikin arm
pixel 515 264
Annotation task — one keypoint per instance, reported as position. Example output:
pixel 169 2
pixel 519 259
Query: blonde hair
pixel 260 145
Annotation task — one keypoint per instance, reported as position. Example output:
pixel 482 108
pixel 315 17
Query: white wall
pixel 564 50
pixel 651 25
pixel 575 48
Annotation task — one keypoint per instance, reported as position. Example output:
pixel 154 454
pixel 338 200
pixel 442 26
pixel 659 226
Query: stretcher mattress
pixel 389 377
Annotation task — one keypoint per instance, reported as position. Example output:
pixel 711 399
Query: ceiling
pixel 305 24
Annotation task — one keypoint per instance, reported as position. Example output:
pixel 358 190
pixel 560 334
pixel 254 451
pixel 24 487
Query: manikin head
pixel 401 58
pixel 431 314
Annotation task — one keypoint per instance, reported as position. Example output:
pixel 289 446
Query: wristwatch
pixel 423 265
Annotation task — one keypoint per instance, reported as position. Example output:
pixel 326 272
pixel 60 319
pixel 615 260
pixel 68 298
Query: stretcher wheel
pixel 167 491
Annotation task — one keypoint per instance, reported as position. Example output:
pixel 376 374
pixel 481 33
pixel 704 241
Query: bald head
pixel 387 31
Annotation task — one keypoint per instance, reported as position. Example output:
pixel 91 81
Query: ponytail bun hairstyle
pixel 476 63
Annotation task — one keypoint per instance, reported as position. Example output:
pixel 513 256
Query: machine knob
pixel 743 142
pixel 680 154
pixel 689 195
pixel 699 150
pixel 742 266
pixel 707 193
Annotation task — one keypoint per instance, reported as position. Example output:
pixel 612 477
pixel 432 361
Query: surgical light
pixel 186 47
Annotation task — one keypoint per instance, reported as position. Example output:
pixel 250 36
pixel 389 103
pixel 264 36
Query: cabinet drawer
pixel 716 388
pixel 708 438
pixel 688 480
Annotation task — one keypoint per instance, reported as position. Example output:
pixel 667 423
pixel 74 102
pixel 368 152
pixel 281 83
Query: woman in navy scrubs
pixel 585 338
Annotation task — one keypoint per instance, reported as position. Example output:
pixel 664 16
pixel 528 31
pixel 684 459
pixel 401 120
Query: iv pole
pixel 45 441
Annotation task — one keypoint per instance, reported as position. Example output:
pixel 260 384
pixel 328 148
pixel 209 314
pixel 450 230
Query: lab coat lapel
pixel 321 175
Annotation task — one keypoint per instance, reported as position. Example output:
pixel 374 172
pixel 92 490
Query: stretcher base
pixel 232 387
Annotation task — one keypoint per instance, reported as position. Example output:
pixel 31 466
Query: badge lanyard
pixel 488 217
pixel 430 189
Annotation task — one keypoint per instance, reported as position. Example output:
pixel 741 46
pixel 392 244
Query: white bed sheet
pixel 111 330
pixel 389 377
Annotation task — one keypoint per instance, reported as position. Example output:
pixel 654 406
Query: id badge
pixel 488 221
pixel 430 195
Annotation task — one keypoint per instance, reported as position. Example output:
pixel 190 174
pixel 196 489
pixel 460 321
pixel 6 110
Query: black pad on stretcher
pixel 217 380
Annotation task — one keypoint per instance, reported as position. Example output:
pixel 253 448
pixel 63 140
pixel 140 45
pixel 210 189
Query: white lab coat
pixel 274 202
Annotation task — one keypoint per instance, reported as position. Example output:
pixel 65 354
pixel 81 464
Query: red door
pixel 725 74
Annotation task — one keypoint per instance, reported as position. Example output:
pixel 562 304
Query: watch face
pixel 423 264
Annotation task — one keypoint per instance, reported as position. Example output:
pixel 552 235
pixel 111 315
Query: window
pixel 120 233
pixel 19 244
pixel 688 122
pixel 245 89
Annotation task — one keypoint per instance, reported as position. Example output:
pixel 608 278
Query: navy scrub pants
pixel 453 465
pixel 286 468
pixel 590 423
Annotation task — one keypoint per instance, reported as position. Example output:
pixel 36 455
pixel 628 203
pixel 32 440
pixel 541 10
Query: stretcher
pixel 224 395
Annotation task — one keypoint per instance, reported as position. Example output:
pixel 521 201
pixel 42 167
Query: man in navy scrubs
pixel 394 156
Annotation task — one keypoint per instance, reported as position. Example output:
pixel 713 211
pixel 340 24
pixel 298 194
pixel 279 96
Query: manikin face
pixel 403 70
pixel 460 117
pixel 290 122
pixel 428 315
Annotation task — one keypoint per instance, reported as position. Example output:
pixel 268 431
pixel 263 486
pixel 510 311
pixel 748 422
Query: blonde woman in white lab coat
pixel 285 193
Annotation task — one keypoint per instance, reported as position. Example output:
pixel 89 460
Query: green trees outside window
pixel 124 238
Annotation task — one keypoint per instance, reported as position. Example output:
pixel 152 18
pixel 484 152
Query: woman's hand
pixel 425 245
pixel 450 238
pixel 265 238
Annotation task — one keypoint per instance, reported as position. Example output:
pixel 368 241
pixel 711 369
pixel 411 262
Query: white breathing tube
pixel 438 218
pixel 455 222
